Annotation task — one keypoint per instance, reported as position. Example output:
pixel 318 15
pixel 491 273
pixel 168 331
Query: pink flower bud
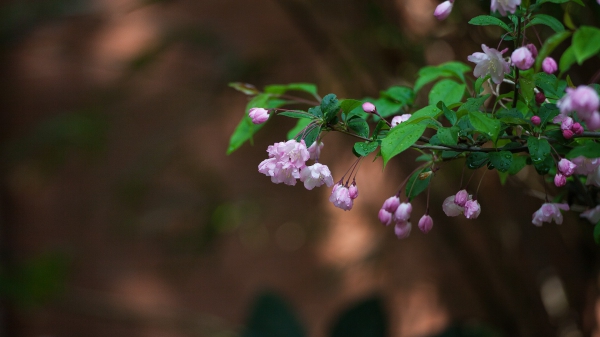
pixel 443 10
pixel 391 204
pixel 385 217
pixel 340 197
pixel 399 119
pixel 461 198
pixel 402 229
pixel 566 123
pixel 560 180
pixel 369 107
pixel 353 191
pixel 522 58
pixel 549 65
pixel 566 167
pixel 258 115
pixel 425 223
pixel 568 134
pixel 403 212
pixel 472 209
pixel 540 98
pixel 536 120
pixel 577 128
pixel 532 49
pixel 549 212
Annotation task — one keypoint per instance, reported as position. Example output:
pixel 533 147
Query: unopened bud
pixel 549 65
pixel 540 98
pixel 568 134
pixel 560 180
pixel 425 223
pixel 577 129
pixel 369 107
pixel 536 120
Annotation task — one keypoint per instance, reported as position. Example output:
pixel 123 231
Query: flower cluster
pixel 395 211
pixel 564 170
pixel 549 212
pixel 461 202
pixel 585 102
pixel 342 196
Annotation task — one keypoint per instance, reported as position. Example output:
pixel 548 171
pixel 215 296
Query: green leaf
pixel 473 104
pixel 518 163
pixel 270 315
pixel 387 107
pixel 363 149
pixel 527 83
pixel 554 1
pixel 488 20
pixel 567 60
pixel 539 151
pixel 359 126
pixel 348 105
pixel 400 94
pixel 279 89
pixel 549 84
pixel 311 135
pixel 449 114
pixel 245 128
pixel 429 74
pixel 245 88
pixel 301 125
pixel 448 136
pixel 479 84
pixel 547 112
pixel 486 125
pixel 415 185
pixel 447 91
pixel 543 19
pixel 316 111
pixel 399 139
pixel 589 149
pixel 330 106
pixel 427 113
pixel 501 160
pixel 476 160
pixel 586 43
pixel 512 116
pixel 296 114
pixel 457 68
pixel 380 128
pixel 551 43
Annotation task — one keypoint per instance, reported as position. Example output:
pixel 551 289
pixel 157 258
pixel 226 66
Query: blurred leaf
pixel 280 89
pixel 589 149
pixel 488 20
pixel 543 19
pixel 245 88
pixel 271 316
pixel 365 319
pixel 447 91
pixel 415 185
pixel 549 46
pixel 586 43
pixel 501 160
pixel 302 123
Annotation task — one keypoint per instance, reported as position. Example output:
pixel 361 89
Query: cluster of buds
pixel 393 210
pixel 565 169
pixel 585 102
pixel 342 196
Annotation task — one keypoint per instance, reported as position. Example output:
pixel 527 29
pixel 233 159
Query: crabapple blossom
pixel 472 209
pixel 258 115
pixel 522 58
pixel 450 207
pixel 532 49
pixel 403 212
pixel 560 180
pixel 503 6
pixel 369 107
pixel 425 223
pixel 549 65
pixel 577 129
pixel 490 62
pixel 593 123
pixel 461 198
pixel 316 175
pixel 566 123
pixel 568 134
pixel 536 120
pixel 399 119
pixel 549 212
pixel 314 150
pixel 340 197
pixel 585 101
pixel 402 229
pixel 443 10
pixel 566 167
pixel 391 204
pixel 385 217
pixel 593 215
pixel 585 165
pixel 594 178
pixel 286 159
pixel 353 191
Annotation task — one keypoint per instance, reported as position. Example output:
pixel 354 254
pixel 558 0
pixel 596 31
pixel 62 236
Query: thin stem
pixel 478 185
pixel 517 85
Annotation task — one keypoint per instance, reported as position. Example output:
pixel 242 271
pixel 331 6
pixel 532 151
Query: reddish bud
pixel 369 107
pixel 536 120
pixel 577 128
pixel 540 98
pixel 568 134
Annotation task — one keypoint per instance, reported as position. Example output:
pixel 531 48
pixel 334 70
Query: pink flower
pixel 560 180
pixel 258 115
pixel 490 62
pixel 316 175
pixel 286 159
pixel 391 204
pixel 594 178
pixel 461 198
pixel 566 123
pixel 443 10
pixel 566 167
pixel 402 229
pixel 585 165
pixel 314 150
pixel 593 122
pixel 450 207
pixel 425 223
pixel 399 119
pixel 353 191
pixel 522 58
pixel 340 197
pixel 549 212
pixel 584 100
pixel 403 212
pixel 472 209
pixel 549 65
pixel 536 120
pixel 504 6
pixel 369 107
pixel 593 215
pixel 385 217
pixel 532 49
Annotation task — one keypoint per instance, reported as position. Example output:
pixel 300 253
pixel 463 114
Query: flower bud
pixel 425 223
pixel 536 120
pixel 402 229
pixel 403 212
pixel 522 58
pixel 391 204
pixel 549 65
pixel 540 98
pixel 568 134
pixel 532 49
pixel 577 128
pixel 443 10
pixel 353 191
pixel 450 207
pixel 369 107
pixel 461 198
pixel 385 217
pixel 258 115
pixel 472 209
pixel 566 167
pixel 566 123
pixel 560 180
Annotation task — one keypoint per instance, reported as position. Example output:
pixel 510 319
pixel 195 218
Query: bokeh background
pixel 121 215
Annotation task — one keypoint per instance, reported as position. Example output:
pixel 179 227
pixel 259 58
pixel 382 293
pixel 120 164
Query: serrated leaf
pixel 399 139
pixel 476 160
pixel 547 20
pixel 447 91
pixel 457 68
pixel 486 125
pixel 511 116
pixel 448 136
pixel 330 106
pixel 547 112
pixel 449 114
pixel 428 112
pixel 316 111
pixel 348 105
pixel 551 43
pixel 539 152
pixel 473 104
pixel 415 185
pixel 365 148
pixel 359 126
pixel 387 107
pixel 501 160
pixel 589 149
pixel 586 43
pixel 488 20
pixel 549 85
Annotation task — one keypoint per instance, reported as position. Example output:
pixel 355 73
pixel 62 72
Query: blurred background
pixel 121 215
